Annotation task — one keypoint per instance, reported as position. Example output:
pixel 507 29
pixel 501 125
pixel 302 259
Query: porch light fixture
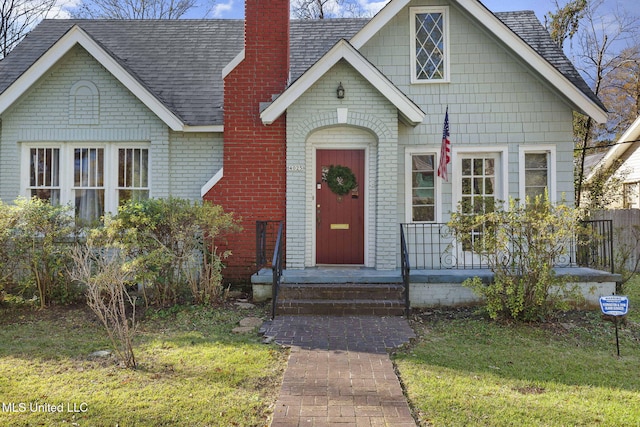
pixel 340 91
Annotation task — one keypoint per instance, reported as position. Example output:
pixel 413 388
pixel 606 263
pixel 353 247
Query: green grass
pixel 467 370
pixel 192 370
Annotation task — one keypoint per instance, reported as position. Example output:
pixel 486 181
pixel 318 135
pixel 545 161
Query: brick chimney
pixel 254 181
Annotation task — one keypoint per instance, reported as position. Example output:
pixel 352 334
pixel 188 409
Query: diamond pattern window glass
pixel 429 44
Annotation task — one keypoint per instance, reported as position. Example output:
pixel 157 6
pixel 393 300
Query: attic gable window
pixel 429 44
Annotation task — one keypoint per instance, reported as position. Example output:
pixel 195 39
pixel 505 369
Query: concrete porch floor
pixel 371 275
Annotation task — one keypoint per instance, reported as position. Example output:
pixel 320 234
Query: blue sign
pixel 614 305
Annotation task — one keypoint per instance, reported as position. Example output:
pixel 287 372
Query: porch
pixel 432 270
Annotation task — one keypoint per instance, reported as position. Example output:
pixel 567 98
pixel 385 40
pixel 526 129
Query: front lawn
pixel 192 370
pixel 467 370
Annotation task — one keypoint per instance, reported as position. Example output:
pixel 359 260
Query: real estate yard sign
pixel 615 305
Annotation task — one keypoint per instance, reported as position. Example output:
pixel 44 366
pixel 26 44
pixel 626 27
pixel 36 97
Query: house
pixel 623 160
pixel 334 127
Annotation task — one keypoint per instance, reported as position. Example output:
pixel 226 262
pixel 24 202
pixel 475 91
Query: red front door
pixel 339 218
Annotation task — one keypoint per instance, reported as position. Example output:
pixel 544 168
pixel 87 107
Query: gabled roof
pixel 521 32
pixel 179 63
pixel 629 139
pixel 409 111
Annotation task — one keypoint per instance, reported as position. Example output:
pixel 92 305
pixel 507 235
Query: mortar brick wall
pixel 254 181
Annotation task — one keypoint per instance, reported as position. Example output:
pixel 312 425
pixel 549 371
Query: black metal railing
pixel 277 266
pixel 433 246
pixel 406 270
pixel 266 232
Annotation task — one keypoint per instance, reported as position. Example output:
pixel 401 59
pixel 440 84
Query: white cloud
pixel 373 7
pixel 220 9
pixel 62 8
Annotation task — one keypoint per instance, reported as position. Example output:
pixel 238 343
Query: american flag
pixel 445 150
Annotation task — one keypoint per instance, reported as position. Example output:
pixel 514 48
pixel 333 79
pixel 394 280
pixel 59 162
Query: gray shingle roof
pixel 180 62
pixel 527 26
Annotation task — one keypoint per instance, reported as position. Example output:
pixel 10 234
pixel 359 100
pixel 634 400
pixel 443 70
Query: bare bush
pixel 103 271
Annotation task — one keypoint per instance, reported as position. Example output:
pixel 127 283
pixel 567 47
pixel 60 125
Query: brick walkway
pixel 339 372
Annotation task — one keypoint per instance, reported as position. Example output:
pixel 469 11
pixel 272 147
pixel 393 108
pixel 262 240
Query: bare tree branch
pixel 18 17
pixel 325 9
pixel 134 9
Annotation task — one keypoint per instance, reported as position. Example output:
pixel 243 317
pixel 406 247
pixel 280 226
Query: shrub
pixel 171 247
pixel 520 245
pixel 42 237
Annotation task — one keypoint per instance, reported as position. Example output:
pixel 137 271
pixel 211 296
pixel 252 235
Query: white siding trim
pixel 233 64
pixel 550 150
pixel 205 129
pixel 212 182
pixel 456 175
pixel 411 151
pixel 615 152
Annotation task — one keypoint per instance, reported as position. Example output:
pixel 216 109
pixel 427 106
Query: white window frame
pixel 66 169
pixel 501 188
pixel 550 151
pixel 26 178
pixel 409 153
pixel 444 10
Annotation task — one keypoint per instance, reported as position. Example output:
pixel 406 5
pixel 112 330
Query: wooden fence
pixel 626 236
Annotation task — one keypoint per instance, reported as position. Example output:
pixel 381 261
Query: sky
pixel 234 8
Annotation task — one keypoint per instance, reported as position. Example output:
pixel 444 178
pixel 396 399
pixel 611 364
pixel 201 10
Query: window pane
pixel 536 174
pixel 44 174
pixel 88 188
pixel 89 205
pixel 124 196
pixel 429 40
pixel 466 166
pixel 424 213
pixel 478 166
pixel 423 187
pixel 133 174
pixel 53 196
pixel 89 167
pixel 535 161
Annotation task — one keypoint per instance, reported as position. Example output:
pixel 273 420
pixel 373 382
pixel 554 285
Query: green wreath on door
pixel 341 180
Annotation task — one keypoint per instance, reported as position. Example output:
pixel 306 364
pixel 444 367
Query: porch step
pixel 341 299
